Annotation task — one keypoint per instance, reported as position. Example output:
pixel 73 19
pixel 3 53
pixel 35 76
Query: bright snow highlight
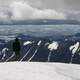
pixel 74 48
pixel 53 46
pixel 27 43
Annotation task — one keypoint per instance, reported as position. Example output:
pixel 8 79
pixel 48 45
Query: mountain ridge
pixel 40 22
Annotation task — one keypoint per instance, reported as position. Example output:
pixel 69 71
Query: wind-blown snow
pixel 74 48
pixel 39 71
pixel 53 46
pixel 27 43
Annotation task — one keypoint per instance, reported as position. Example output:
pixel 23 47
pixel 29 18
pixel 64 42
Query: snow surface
pixel 39 71
pixel 53 46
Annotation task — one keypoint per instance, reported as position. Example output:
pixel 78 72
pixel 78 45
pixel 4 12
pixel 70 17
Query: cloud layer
pixel 20 10
pixel 23 11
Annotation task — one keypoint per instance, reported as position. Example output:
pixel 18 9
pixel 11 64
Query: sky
pixel 39 9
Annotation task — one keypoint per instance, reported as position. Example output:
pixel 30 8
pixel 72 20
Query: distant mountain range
pixel 41 22
pixel 36 49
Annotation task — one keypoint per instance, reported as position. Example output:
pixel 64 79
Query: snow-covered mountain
pixel 41 43
pixel 43 49
pixel 39 71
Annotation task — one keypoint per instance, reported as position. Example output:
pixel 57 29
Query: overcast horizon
pixel 39 9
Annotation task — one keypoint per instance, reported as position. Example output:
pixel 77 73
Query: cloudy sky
pixel 39 9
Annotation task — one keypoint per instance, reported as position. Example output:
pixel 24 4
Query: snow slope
pixel 39 71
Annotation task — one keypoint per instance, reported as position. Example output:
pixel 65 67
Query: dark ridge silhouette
pixel 62 54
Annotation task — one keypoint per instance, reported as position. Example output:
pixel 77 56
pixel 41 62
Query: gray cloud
pixel 72 4
pixel 18 10
pixel 54 4
pixel 42 9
